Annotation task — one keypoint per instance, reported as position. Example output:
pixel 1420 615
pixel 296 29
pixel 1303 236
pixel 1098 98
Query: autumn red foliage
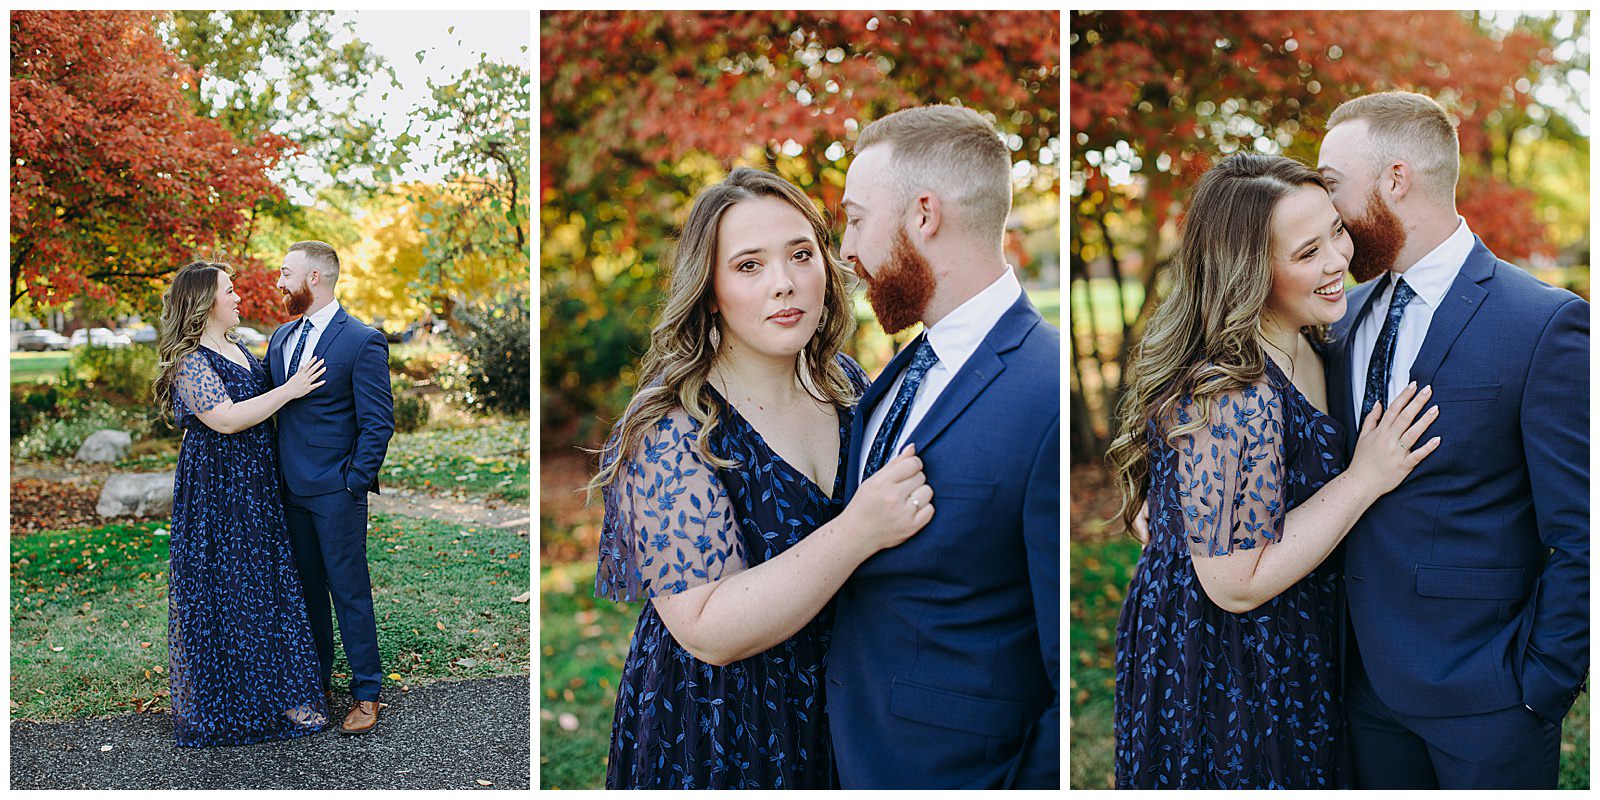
pixel 1186 86
pixel 115 180
pixel 641 110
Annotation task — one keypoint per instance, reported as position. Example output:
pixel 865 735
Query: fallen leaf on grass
pixel 568 721
pixel 395 676
pixel 469 663
pixel 57 649
pixel 482 782
pixel 439 625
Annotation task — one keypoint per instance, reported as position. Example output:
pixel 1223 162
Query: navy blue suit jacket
pixel 334 439
pixel 945 665
pixel 1468 585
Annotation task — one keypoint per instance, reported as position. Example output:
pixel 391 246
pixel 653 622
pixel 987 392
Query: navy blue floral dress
pixel 244 668
pixel 672 523
pixel 1209 698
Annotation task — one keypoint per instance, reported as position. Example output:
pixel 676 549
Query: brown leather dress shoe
pixel 363 717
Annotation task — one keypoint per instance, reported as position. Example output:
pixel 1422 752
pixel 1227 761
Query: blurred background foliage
pixel 641 110
pixel 1157 97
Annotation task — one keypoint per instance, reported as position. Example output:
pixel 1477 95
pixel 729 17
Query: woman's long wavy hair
pixel 184 308
pixel 1203 340
pixel 685 340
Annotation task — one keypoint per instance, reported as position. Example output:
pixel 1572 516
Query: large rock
pixel 138 494
pixel 105 447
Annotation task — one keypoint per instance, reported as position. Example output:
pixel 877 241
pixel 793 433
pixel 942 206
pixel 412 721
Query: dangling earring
pixel 716 333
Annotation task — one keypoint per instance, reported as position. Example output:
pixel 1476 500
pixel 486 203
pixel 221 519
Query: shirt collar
pixel 957 336
pixel 321 319
pixel 1432 275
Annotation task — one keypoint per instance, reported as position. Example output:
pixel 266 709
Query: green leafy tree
pixel 479 216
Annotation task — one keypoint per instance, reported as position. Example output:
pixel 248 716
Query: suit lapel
pixel 1454 312
pixel 275 363
pixel 864 407
pixel 1345 357
pixel 335 327
pixel 980 370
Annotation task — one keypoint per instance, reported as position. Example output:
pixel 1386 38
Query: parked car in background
pixel 41 340
pixel 99 337
pixel 249 336
pixel 144 335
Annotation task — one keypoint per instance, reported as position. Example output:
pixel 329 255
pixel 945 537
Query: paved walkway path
pixel 451 735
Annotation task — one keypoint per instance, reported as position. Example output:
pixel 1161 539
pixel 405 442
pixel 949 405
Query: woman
pixel 243 665
pixel 1225 673
pixel 723 483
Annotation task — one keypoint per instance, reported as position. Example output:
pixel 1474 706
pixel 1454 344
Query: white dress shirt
pixel 954 339
pixel 320 320
pixel 1430 278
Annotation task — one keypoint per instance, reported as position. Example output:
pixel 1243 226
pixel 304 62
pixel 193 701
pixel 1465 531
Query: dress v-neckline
pixel 1284 378
pixel 844 443
pixel 245 366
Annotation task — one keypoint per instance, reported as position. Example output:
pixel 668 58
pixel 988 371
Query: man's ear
pixel 1397 181
pixel 927 214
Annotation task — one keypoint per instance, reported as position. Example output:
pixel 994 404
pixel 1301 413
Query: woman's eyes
pixel 802 255
pixel 752 264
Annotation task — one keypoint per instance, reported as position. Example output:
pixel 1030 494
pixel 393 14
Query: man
pixel 1467 585
pixel 331 445
pixel 944 669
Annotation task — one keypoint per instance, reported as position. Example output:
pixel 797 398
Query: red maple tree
pixel 639 110
pixel 115 180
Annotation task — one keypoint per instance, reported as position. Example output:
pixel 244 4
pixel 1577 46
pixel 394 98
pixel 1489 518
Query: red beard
pixel 1378 238
pixel 297 301
pixel 900 290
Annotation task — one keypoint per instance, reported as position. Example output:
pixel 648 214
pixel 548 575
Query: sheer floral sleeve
pixel 668 525
pixel 198 388
pixel 1231 477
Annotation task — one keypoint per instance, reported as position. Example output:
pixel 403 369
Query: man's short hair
pixel 1409 127
pixel 323 258
pixel 953 152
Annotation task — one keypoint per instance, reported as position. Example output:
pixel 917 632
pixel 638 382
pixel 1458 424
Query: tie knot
pixel 1402 294
pixel 922 359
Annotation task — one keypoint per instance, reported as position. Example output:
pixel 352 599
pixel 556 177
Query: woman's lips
pixel 1338 292
pixel 788 317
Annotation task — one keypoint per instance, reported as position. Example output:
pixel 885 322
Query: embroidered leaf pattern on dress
pixel 1205 698
pixel 673 523
pixel 243 664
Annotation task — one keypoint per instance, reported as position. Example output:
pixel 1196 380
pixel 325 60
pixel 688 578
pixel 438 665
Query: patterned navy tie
pixel 299 347
pixel 1382 361
pixel 922 359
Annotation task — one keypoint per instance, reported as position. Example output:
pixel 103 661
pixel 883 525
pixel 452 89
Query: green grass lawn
pixel 487 459
pixel 38 367
pixel 89 612
pixel 582 643
pixel 1100 571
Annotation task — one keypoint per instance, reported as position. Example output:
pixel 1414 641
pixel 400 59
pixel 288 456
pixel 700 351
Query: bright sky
pixel 398 36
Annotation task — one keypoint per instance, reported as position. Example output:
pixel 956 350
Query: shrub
pixel 125 373
pixel 62 435
pixel 31 402
pixel 496 344
pixel 411 411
